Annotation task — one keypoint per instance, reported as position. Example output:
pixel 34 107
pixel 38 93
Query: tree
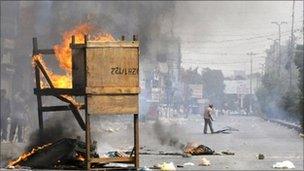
pixel 213 86
pixel 298 60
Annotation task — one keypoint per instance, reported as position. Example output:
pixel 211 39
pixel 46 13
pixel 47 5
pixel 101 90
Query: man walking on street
pixel 208 118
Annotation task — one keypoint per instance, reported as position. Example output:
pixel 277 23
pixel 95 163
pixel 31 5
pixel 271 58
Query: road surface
pixel 255 136
pixel 277 143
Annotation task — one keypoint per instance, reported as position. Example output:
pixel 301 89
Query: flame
pixel 63 55
pixel 63 52
pixel 13 163
pixel 59 81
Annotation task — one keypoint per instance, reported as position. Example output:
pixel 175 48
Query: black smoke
pixel 60 125
pixel 168 134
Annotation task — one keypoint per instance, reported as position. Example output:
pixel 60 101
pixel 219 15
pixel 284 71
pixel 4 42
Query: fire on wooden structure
pixel 104 73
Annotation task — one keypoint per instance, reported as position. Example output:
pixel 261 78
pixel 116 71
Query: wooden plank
pixel 115 104
pixel 55 108
pixel 60 91
pixel 124 44
pixel 136 141
pixel 39 100
pixel 46 51
pixel 112 90
pixel 46 76
pixel 78 67
pixel 78 117
pixel 35 46
pixel 87 136
pixel 77 45
pixel 112 67
pixel 112 160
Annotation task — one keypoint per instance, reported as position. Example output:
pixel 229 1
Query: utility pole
pixel 279 26
pixel 262 67
pixel 251 54
pixel 291 45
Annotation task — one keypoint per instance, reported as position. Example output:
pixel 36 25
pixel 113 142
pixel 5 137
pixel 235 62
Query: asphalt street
pixel 255 135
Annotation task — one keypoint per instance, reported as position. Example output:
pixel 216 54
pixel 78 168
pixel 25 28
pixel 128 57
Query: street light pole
pixel 291 45
pixel 279 54
pixel 275 53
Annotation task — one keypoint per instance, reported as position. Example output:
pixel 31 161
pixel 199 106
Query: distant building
pixel 9 31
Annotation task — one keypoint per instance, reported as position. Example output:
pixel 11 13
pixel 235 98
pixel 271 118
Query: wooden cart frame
pixel 85 125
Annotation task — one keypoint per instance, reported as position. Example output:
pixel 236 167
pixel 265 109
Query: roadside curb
pixel 289 125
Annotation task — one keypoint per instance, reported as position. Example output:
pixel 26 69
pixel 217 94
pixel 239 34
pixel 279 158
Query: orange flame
pixel 63 52
pixel 12 164
pixel 59 81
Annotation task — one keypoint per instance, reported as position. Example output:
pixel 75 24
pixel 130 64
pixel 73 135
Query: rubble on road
pixel 170 153
pixel 167 166
pixel 186 155
pixel 116 165
pixel 66 153
pixel 145 168
pixel 204 162
pixel 179 166
pixel 194 149
pixel 226 130
pixel 156 166
pixel 227 152
pixel 116 154
pixel 260 156
pixel 284 165
pixel 188 164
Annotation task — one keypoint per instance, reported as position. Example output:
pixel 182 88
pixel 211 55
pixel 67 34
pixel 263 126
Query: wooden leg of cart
pixel 88 136
pixel 136 141
pixel 39 102
pixel 38 86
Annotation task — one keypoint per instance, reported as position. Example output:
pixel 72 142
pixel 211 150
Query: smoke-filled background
pixel 191 54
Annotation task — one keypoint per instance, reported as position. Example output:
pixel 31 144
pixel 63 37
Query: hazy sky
pixel 223 32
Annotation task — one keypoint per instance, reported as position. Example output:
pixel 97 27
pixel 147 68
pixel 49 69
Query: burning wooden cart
pixel 106 75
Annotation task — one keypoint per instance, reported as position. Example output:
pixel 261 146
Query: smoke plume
pixel 57 127
pixel 166 134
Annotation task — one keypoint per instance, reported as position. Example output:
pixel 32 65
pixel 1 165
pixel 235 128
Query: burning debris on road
pixel 66 153
pixel 194 149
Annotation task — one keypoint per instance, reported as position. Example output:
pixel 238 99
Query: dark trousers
pixel 16 123
pixel 3 126
pixel 208 122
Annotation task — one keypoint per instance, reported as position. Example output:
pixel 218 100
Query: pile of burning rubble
pixel 65 153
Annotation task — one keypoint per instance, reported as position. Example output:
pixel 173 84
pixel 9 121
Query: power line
pixel 256 41
pixel 215 63
pixel 239 39
pixel 241 35
pixel 217 54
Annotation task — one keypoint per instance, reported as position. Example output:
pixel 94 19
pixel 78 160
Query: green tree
pixel 298 60
pixel 213 86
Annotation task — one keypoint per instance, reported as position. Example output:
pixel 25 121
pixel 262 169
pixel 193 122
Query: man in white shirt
pixel 208 118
